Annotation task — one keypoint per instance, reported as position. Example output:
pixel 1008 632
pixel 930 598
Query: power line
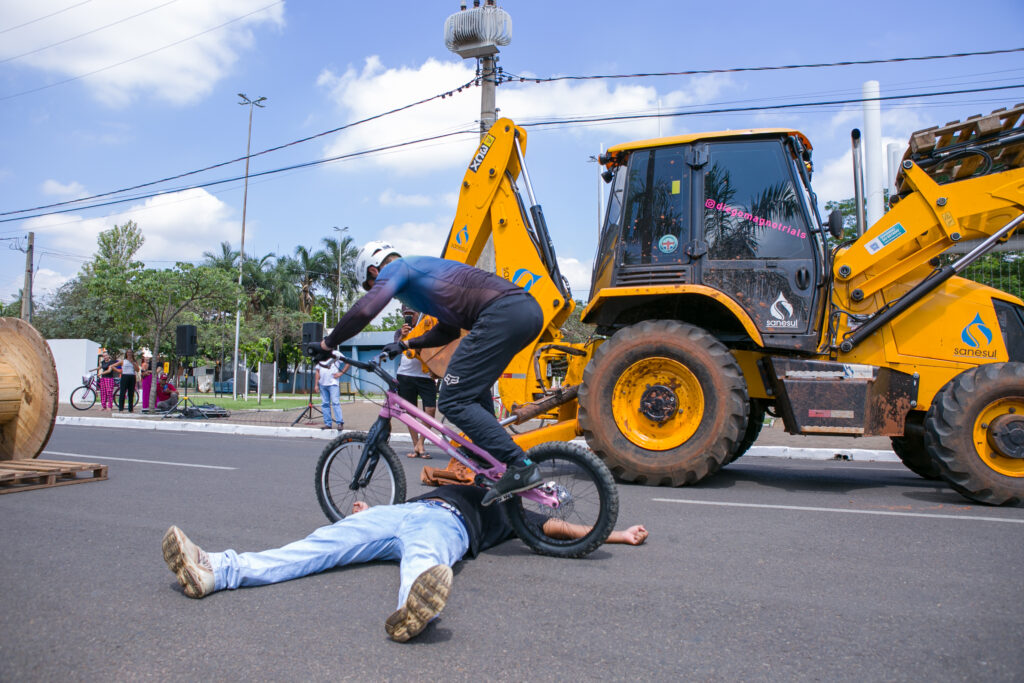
pixel 242 158
pixel 535 124
pixel 82 35
pixel 307 164
pixel 783 67
pixel 144 54
pixel 45 16
pixel 765 107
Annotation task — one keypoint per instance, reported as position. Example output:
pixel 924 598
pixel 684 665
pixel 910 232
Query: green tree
pixel 575 330
pixel 340 257
pixel 226 260
pixel 158 297
pixel 310 269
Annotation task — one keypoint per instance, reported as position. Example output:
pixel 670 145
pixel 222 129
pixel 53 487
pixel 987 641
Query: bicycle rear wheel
pixel 83 398
pixel 589 502
pixel 336 470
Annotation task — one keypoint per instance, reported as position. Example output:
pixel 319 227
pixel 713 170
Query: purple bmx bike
pixel 578 488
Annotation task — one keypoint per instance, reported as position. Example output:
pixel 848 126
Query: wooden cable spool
pixel 28 391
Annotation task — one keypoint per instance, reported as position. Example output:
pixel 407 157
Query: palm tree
pixel 340 257
pixel 227 259
pixel 312 269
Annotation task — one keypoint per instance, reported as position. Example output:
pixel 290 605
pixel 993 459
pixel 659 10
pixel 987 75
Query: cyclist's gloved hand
pixel 315 352
pixel 394 348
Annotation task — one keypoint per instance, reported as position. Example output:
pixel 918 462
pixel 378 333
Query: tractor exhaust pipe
pixel 858 180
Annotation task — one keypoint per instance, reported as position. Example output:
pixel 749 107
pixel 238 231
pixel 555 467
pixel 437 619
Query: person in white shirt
pixel 325 380
pixel 415 381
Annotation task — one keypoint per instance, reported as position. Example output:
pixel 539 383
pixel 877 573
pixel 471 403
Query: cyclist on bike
pixel 502 319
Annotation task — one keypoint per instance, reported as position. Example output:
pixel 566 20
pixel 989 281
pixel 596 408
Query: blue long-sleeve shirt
pixel 452 292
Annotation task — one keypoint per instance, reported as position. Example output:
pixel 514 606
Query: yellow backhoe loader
pixel 717 298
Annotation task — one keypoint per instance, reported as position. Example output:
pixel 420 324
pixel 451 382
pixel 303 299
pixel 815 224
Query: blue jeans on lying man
pixel 419 535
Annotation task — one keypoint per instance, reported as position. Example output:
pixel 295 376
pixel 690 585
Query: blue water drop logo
pixel 976 329
pixel 530 279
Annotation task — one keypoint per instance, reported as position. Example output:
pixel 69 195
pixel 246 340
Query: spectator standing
pixel 105 371
pixel 129 372
pixel 415 381
pixel 325 379
pixel 146 380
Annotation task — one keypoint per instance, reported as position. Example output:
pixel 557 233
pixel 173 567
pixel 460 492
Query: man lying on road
pixel 427 535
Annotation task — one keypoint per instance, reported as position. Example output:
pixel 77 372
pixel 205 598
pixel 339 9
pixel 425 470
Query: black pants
pixel 503 329
pixel 127 387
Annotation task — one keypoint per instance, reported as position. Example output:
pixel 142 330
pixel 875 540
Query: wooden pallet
pixel 25 475
pixel 973 129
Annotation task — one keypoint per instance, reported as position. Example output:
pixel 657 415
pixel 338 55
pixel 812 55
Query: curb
pixel 210 427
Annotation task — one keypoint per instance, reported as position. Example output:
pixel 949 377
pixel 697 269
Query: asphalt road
pixel 774 570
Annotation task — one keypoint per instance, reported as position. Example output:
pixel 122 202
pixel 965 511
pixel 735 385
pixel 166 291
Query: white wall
pixel 74 358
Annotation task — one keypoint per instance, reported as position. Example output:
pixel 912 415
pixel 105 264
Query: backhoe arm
pixel 900 248
pixel 494 230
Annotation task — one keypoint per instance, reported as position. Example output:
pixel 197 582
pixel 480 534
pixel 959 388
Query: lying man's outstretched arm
pixel 557 528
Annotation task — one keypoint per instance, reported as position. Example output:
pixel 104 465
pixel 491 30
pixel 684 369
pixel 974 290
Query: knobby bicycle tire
pixel 336 468
pixel 590 499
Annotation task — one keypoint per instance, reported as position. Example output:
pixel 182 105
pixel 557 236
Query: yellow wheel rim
pixel 657 403
pixel 987 450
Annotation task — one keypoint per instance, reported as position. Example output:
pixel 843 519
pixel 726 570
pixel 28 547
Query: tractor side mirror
pixel 835 224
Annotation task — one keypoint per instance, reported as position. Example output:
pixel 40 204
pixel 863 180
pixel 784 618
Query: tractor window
pixel 657 198
pixel 751 206
pixel 610 234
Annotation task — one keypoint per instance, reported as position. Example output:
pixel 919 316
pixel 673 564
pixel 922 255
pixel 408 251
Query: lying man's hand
pixel 634 535
pixel 361 506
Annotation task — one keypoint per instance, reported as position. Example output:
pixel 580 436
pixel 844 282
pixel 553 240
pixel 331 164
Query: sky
pixel 97 96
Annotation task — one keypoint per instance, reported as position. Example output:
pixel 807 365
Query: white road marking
pixel 148 462
pixel 855 512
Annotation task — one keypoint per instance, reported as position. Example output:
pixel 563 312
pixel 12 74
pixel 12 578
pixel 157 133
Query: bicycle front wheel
pixel 83 398
pixel 336 472
pixel 588 502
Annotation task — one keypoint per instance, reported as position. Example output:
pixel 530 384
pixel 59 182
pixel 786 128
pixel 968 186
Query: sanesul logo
pixel 975 335
pixel 529 280
pixel 971 339
pixel 782 313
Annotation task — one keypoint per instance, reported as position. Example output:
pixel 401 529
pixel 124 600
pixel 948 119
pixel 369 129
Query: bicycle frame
pixel 397 408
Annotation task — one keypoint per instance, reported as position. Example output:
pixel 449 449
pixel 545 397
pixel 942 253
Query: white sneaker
pixel 427 597
pixel 189 562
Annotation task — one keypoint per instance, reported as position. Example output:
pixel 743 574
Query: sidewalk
pixel 359 415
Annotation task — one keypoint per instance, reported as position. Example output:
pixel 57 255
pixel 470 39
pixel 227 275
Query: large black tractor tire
pixel 974 431
pixel 755 421
pixel 663 403
pixel 910 449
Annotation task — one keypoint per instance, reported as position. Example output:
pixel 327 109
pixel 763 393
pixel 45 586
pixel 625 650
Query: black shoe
pixel 520 476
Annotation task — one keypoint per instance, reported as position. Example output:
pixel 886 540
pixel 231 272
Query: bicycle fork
pixel 379 433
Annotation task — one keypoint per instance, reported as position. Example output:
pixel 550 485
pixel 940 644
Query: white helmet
pixel 372 254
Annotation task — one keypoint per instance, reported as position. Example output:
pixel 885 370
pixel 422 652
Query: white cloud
pixel 422 239
pixel 578 274
pixel 391 198
pixel 178 226
pixel 118 58
pixel 373 89
pixel 71 190
pixel 44 281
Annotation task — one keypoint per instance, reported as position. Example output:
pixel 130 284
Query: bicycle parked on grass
pixel 578 487
pixel 84 396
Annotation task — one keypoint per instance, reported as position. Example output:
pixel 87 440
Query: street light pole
pixel 337 292
pixel 241 251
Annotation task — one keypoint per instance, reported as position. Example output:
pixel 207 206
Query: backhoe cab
pixel 722 300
